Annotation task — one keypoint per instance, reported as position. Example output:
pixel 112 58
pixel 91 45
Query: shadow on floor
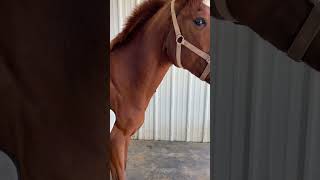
pixel 163 160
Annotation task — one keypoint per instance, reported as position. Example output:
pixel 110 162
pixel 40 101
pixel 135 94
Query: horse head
pixel 188 41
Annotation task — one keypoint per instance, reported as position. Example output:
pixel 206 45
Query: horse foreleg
pixel 119 149
pixel 120 138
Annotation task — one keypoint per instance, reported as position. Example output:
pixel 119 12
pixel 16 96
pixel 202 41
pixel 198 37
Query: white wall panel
pixel 180 109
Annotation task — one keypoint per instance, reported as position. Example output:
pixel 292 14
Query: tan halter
pixel 181 41
pixel 308 32
pixel 224 11
pixel 303 40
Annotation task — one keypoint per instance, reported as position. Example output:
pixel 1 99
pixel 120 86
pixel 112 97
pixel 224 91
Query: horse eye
pixel 199 21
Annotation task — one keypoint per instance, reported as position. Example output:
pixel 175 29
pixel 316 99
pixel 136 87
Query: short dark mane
pixel 140 16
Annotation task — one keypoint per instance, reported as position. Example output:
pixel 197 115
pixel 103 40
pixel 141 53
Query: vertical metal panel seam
pixel 188 109
pixel 155 117
pixel 119 14
pixel 304 127
pixel 172 104
pixel 204 125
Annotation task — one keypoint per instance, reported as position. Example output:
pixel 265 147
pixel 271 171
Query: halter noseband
pixel 305 36
pixel 180 40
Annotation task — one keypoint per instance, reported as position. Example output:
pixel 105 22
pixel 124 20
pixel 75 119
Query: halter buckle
pixel 179 39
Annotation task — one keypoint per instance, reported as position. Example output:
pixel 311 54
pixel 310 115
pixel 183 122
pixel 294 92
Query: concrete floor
pixel 162 160
pixel 152 160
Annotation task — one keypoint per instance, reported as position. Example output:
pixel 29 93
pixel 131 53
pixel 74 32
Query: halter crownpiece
pixel 180 40
pixel 223 9
pixel 303 40
pixel 308 32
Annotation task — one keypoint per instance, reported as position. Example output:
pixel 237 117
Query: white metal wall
pixel 180 109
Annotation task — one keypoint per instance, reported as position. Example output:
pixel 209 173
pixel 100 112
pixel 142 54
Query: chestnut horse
pixel 292 26
pixel 160 33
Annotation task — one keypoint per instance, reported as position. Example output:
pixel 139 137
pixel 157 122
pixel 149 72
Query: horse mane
pixel 139 17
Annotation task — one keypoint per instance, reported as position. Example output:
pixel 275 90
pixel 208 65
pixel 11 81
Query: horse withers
pixel 159 34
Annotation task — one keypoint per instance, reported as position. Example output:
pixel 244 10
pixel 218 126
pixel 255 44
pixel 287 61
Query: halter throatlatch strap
pixel 224 11
pixel 306 35
pixel 180 40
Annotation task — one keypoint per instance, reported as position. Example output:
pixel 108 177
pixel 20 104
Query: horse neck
pixel 141 64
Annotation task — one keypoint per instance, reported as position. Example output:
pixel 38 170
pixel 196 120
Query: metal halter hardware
pixel 180 40
pixel 302 41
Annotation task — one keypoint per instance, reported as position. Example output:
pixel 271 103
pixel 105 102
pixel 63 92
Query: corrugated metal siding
pixel 266 110
pixel 180 109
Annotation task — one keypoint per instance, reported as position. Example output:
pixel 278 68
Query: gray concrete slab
pixel 162 160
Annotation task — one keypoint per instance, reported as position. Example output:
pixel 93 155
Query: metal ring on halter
pixel 178 37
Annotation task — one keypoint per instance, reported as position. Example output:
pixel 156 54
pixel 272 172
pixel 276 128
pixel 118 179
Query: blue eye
pixel 199 21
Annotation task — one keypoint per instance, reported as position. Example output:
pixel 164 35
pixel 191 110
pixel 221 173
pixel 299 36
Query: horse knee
pixel 130 124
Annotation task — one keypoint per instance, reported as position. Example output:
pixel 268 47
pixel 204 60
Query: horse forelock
pixel 195 3
pixel 141 14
